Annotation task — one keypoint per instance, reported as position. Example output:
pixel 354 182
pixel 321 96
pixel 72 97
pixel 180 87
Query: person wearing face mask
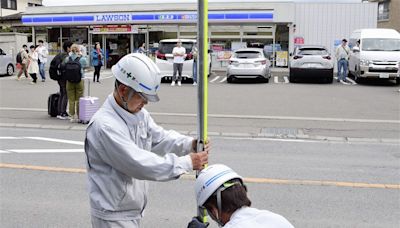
pixel 221 192
pixel 125 148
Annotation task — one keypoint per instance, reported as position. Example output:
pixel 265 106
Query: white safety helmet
pixel 140 73
pixel 211 179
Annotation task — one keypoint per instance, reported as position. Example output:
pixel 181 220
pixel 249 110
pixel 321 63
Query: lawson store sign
pixel 146 18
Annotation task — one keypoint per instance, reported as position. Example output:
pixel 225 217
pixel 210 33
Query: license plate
pixel 385 75
pixel 312 65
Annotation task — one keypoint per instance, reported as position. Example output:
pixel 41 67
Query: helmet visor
pixel 149 98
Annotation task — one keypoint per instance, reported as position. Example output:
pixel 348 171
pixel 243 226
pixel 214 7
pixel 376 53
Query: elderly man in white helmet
pixel 125 147
pixel 221 191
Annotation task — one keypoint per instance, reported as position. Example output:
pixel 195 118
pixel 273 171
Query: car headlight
pixel 365 62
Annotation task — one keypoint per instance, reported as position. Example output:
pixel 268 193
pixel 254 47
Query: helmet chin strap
pixel 125 102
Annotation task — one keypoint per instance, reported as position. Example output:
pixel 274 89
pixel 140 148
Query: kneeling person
pixel 221 191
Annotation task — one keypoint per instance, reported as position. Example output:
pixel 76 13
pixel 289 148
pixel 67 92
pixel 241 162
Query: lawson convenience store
pixel 121 29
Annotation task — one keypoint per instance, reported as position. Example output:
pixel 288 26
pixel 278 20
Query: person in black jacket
pixel 62 82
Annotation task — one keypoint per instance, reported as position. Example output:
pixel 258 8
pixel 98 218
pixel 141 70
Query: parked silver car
pixel 6 63
pixel 248 63
pixel 311 61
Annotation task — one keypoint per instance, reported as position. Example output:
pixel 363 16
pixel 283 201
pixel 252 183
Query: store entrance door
pixel 116 46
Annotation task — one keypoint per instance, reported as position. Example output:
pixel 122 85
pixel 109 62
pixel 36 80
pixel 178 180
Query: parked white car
pixel 248 63
pixel 165 58
pixel 311 61
pixel 376 55
pixel 6 63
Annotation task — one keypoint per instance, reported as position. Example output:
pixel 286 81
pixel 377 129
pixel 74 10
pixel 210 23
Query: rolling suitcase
pixel 88 106
pixel 52 104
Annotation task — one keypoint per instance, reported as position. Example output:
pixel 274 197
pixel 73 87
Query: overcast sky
pixel 97 2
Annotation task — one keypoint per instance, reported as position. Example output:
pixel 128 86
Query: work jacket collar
pixel 129 118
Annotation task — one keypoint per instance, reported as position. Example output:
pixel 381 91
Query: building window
pixel 9 4
pixel 383 11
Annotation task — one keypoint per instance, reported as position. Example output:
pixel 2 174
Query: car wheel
pixel 397 81
pixel 329 79
pixel 357 76
pixel 265 80
pixel 229 79
pixel 292 78
pixel 10 69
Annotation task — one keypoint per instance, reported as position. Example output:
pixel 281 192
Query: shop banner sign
pixel 114 29
pixel 148 18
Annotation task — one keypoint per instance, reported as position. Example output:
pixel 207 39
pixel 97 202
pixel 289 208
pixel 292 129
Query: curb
pixel 298 137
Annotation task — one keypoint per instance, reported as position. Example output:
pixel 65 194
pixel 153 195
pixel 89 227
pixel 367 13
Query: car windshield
pixel 312 51
pixel 380 44
pixel 167 47
pixel 247 55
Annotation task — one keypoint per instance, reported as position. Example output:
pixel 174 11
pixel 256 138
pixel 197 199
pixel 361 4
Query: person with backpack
pixel 97 61
pixel 72 70
pixel 55 72
pixel 23 59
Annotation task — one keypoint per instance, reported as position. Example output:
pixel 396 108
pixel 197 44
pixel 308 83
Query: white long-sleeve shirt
pixel 123 151
pixel 248 217
pixel 43 53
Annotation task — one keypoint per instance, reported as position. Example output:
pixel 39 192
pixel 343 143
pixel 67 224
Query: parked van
pixel 375 54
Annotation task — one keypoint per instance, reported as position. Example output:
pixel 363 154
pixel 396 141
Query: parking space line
pixel 4 152
pixel 9 137
pixel 286 79
pixel 351 80
pixel 246 179
pixel 223 80
pixel 276 79
pixel 214 79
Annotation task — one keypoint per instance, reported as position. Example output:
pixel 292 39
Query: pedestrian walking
pixel 125 147
pixel 56 73
pixel 73 72
pixel 43 53
pixel 194 53
pixel 23 59
pixel 142 49
pixel 221 192
pixel 97 61
pixel 33 66
pixel 342 56
pixel 179 53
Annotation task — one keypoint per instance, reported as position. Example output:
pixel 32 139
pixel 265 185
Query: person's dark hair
pixel 40 41
pixel 24 46
pixel 67 44
pixel 32 46
pixel 344 40
pixel 232 198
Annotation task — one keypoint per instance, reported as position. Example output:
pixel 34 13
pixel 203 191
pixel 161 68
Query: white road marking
pixel 9 137
pixel 249 116
pixel 286 79
pixel 24 151
pixel 276 79
pixel 352 81
pixel 57 140
pixel 223 80
pixel 214 79
pixel 4 152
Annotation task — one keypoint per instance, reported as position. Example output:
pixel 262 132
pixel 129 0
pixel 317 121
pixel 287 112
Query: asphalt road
pixel 322 155
pixel 369 110
pixel 311 183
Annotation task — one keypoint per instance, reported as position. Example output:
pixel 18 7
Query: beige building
pixel 388 14
pixel 10 7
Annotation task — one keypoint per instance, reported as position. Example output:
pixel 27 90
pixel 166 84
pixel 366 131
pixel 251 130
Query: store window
pixel 383 11
pixel 9 4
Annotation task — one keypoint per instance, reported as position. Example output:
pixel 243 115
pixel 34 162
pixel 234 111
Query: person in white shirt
pixel 342 56
pixel 221 192
pixel 43 53
pixel 125 147
pixel 179 53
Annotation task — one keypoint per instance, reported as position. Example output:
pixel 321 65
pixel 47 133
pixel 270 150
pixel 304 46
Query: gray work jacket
pixel 123 151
